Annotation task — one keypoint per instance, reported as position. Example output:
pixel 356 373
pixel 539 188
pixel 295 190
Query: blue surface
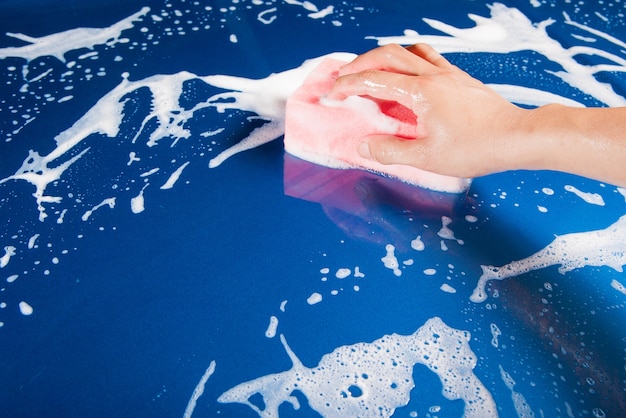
pixel 139 304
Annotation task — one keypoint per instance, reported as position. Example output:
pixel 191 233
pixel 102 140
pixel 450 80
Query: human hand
pixel 465 129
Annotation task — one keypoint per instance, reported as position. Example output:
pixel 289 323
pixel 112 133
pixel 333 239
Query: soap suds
pixel 447 288
pixel 390 261
pixel 199 390
pixel 25 308
pixel 271 328
pixel 58 44
pixel 445 232
pixel 314 298
pixel 9 251
pixel 519 401
pixel 495 333
pixel 603 247
pixel 137 203
pixel 591 198
pixel 110 202
pixel 618 286
pixel 173 178
pixel 417 244
pixel 373 379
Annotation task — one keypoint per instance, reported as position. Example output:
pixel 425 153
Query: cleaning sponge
pixel 329 132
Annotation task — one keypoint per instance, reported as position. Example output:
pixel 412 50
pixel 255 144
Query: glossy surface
pixel 119 291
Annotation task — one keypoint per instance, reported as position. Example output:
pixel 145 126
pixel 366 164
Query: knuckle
pixel 391 51
pixel 367 77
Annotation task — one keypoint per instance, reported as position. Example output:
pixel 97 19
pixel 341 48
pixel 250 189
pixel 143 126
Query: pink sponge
pixel 329 132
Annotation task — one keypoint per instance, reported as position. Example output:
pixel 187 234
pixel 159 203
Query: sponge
pixel 328 132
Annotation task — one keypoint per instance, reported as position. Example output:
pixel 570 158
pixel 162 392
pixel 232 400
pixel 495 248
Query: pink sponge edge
pixel 329 133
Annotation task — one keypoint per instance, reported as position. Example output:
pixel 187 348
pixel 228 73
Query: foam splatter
pixel 373 379
pixel 603 247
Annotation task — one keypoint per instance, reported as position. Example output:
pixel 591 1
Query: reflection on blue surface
pixel 130 307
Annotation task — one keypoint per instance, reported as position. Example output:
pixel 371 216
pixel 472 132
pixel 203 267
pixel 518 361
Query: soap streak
pixel 603 247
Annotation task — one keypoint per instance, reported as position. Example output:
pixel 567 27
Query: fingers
pixel 387 149
pixel 429 54
pixel 418 59
pixel 392 58
pixel 388 73
pixel 380 85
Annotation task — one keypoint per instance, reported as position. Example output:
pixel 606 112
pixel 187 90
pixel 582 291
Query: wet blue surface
pixel 130 309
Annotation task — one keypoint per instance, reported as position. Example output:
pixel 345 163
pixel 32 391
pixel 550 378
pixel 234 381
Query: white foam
pixel 522 408
pixel 137 203
pixel 266 97
pixel 603 247
pixel 322 13
pixel 314 298
pixel 270 332
pixel 9 251
pixel 447 288
pixel 591 198
pixel 495 333
pixel 417 244
pixel 61 217
pixel 445 232
pixel 390 261
pixel 373 379
pixel 110 202
pixel 58 44
pixel 199 390
pixel 267 16
pixel 25 308
pixel 618 286
pixel 174 177
pixel 132 157
pixel 32 240
pixel 150 172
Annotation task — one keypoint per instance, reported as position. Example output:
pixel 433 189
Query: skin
pixel 465 129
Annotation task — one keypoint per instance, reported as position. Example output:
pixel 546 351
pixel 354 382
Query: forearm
pixel 590 142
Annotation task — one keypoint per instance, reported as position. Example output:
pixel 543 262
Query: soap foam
pixel 58 44
pixel 591 198
pixel 603 247
pixel 373 379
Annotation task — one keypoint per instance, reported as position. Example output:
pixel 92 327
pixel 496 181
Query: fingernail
pixel 364 150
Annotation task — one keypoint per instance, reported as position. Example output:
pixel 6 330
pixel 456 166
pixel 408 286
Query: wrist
pixel 536 139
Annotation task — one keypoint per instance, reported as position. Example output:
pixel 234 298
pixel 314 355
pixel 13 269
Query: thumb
pixel 392 150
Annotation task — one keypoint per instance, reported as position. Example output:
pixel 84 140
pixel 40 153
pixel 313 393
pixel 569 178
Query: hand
pixel 465 129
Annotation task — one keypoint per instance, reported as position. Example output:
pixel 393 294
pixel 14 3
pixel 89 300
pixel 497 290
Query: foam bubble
pixel 271 328
pixel 417 244
pixel 342 273
pixel 25 308
pixel 314 298
pixel 390 261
